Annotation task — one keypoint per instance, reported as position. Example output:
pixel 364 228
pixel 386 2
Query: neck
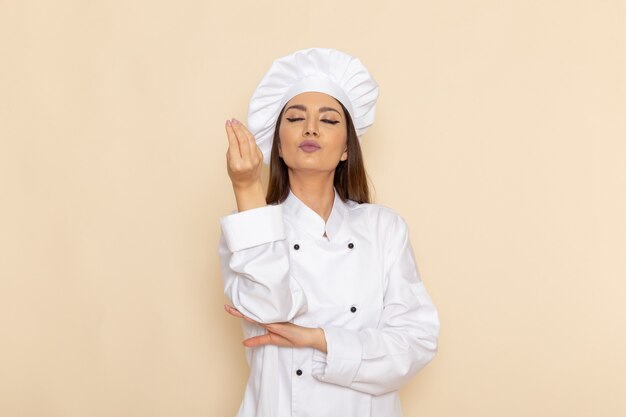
pixel 314 190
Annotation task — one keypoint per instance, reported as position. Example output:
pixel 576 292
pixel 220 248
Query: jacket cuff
pixel 341 364
pixel 253 227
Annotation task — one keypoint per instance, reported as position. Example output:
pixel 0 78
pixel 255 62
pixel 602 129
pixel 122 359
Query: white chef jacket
pixel 360 284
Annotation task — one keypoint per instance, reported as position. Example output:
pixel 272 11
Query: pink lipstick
pixel 309 146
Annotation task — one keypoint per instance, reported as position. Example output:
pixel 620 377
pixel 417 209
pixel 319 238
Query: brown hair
pixel 350 178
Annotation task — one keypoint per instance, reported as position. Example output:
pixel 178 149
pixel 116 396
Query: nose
pixel 311 128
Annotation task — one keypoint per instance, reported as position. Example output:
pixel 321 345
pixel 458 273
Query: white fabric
pixel 315 69
pixel 373 351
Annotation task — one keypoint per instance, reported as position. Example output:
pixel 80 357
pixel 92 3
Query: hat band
pixel 320 84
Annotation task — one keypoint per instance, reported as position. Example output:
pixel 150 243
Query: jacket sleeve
pixel 382 359
pixel 254 261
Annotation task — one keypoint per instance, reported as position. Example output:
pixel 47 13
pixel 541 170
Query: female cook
pixel 335 316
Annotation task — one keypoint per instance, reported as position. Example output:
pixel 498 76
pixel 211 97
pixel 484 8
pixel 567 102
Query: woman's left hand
pixel 283 334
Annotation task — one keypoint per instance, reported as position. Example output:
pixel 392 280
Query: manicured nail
pixel 235 121
pixel 227 123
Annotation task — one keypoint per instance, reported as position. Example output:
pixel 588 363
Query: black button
pixel 296 246
pixel 298 372
pixel 353 309
pixel 351 245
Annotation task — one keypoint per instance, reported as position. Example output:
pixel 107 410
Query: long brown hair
pixel 350 179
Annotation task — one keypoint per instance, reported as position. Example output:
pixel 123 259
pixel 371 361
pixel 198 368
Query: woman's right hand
pixel 244 162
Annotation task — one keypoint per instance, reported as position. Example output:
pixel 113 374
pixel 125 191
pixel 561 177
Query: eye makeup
pixel 297 119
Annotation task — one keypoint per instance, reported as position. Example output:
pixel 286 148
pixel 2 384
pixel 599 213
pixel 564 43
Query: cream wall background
pixel 500 137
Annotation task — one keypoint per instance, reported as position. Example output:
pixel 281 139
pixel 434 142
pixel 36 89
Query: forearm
pixel 319 340
pixel 249 196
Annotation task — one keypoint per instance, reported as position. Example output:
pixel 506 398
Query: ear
pixel 280 151
pixel 344 155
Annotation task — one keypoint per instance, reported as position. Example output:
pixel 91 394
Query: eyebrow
pixel 303 108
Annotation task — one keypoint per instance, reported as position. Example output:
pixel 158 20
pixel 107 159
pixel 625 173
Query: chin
pixel 310 162
pixel 310 165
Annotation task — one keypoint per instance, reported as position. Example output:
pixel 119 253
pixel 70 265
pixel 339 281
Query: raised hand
pixel 283 334
pixel 244 162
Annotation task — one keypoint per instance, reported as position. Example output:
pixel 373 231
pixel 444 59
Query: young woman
pixel 335 316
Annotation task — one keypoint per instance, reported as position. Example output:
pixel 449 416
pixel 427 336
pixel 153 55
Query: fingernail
pixel 235 121
pixel 227 123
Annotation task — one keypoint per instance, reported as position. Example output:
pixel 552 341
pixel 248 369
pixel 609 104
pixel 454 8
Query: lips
pixel 309 146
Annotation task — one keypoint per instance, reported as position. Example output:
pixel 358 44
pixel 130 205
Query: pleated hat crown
pixel 322 70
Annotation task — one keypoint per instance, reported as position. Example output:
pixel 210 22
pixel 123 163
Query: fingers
pixel 245 140
pixel 280 334
pixel 233 311
pixel 266 339
pixel 236 313
pixel 277 328
pixel 233 144
pixel 243 156
pixel 256 155
pixel 242 139
pixel 239 139
pixel 251 140
pixel 273 336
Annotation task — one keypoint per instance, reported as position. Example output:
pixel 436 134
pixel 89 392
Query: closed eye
pixel 296 119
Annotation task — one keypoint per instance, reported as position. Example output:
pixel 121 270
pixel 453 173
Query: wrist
pixel 249 196
pixel 319 340
pixel 248 187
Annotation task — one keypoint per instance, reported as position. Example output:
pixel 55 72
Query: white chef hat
pixel 315 69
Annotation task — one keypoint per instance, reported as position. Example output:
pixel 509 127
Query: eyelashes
pixel 296 119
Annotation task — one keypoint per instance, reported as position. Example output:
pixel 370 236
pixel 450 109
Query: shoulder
pixel 382 217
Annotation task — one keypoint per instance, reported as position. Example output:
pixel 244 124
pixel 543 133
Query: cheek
pixel 286 135
pixel 342 143
pixel 283 133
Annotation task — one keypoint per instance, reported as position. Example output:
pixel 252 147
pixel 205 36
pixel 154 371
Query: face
pixel 313 133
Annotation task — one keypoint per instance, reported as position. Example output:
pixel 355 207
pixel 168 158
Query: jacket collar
pixel 307 219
